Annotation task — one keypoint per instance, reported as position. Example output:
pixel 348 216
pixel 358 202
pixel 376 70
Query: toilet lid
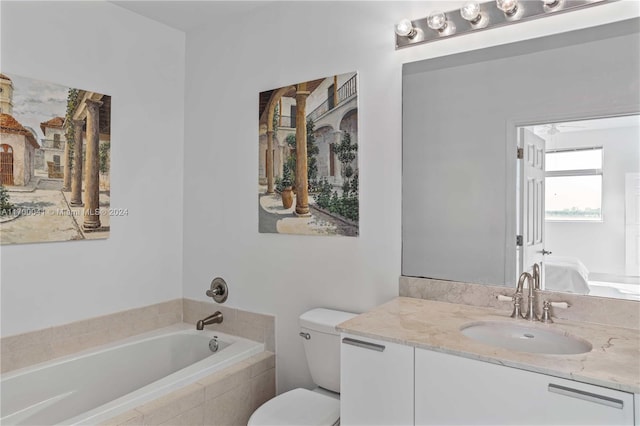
pixel 298 407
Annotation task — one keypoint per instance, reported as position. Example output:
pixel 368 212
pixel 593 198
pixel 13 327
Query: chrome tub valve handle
pixel 219 290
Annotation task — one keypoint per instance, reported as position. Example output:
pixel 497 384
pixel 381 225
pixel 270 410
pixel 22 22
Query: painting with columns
pixel 55 145
pixel 308 173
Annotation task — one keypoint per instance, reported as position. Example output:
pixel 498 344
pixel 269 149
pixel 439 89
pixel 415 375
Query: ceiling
pixel 187 15
pixel 190 14
pixel 586 125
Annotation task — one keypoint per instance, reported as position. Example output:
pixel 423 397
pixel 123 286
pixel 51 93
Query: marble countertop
pixel 614 361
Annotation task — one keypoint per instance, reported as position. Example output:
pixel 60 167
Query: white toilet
pixel 321 406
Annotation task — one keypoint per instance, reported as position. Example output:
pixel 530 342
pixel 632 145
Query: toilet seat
pixel 298 407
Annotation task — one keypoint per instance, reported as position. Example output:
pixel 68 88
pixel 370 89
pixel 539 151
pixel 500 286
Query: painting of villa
pixel 308 158
pixel 55 144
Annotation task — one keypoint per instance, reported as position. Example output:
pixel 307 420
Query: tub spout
pixel 216 318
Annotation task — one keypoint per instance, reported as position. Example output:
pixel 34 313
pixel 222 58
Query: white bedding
pixel 566 274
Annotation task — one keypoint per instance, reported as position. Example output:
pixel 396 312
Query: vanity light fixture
pixel 404 28
pixel 509 7
pixel 437 21
pixel 475 16
pixel 471 12
pixel 551 4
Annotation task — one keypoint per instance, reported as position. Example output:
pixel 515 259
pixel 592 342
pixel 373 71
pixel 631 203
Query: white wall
pixel 140 63
pixel 599 245
pixel 282 43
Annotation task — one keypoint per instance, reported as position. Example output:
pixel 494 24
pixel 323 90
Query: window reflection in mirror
pixel 579 205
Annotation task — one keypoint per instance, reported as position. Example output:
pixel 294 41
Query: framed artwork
pixel 55 145
pixel 308 158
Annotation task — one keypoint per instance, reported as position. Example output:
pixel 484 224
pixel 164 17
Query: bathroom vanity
pixel 408 362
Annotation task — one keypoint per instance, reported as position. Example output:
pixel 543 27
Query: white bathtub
pixel 95 385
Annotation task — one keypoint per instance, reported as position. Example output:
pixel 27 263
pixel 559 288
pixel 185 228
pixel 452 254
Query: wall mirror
pixel 471 210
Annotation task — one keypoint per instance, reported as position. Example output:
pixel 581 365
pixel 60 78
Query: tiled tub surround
pixel 600 310
pixel 228 397
pixel 434 325
pixel 235 392
pixel 30 348
pixel 97 384
pixel 250 325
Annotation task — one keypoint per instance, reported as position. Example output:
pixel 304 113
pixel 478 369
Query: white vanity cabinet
pixel 455 390
pixel 376 382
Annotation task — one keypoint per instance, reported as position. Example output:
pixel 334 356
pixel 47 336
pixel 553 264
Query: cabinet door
pixel 455 390
pixel 376 382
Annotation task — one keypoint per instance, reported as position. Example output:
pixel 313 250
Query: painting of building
pixel 6 95
pixel 17 151
pixel 308 158
pixel 55 146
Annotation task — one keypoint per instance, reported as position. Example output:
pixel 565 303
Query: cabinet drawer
pixel 486 393
pixel 376 382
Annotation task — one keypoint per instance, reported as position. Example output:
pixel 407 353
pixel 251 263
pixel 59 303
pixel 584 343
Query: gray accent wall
pixel 460 114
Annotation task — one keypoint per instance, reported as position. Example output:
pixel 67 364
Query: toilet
pixel 321 406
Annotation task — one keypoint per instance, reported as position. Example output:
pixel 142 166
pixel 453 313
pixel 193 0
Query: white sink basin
pixel 523 338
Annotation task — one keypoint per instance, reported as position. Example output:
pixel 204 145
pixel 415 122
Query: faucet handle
pixel 561 305
pixel 504 298
pixel 546 309
pixel 517 309
pixel 219 290
pixel 546 314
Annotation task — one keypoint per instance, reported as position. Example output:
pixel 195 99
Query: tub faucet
pixel 216 318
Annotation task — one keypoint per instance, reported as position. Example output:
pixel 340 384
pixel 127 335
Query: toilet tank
pixel 322 349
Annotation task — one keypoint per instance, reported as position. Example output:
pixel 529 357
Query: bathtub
pixel 95 385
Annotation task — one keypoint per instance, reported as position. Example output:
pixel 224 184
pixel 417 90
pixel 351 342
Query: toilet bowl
pixel 299 407
pixel 321 406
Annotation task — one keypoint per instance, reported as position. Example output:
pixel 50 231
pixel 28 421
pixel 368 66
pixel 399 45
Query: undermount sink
pixel 523 338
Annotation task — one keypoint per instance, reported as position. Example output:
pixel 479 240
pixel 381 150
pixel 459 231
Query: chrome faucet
pixel 536 276
pixel 534 286
pixel 533 283
pixel 216 318
pixel 517 297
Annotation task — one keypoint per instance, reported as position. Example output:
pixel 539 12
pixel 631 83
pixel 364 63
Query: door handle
pixel 545 252
pixel 586 396
pixel 363 344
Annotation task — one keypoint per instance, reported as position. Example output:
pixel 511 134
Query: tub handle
pixel 219 290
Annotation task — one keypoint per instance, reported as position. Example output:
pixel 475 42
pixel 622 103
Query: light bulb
pixel 471 12
pixel 437 21
pixel 509 7
pixel 550 4
pixel 404 28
